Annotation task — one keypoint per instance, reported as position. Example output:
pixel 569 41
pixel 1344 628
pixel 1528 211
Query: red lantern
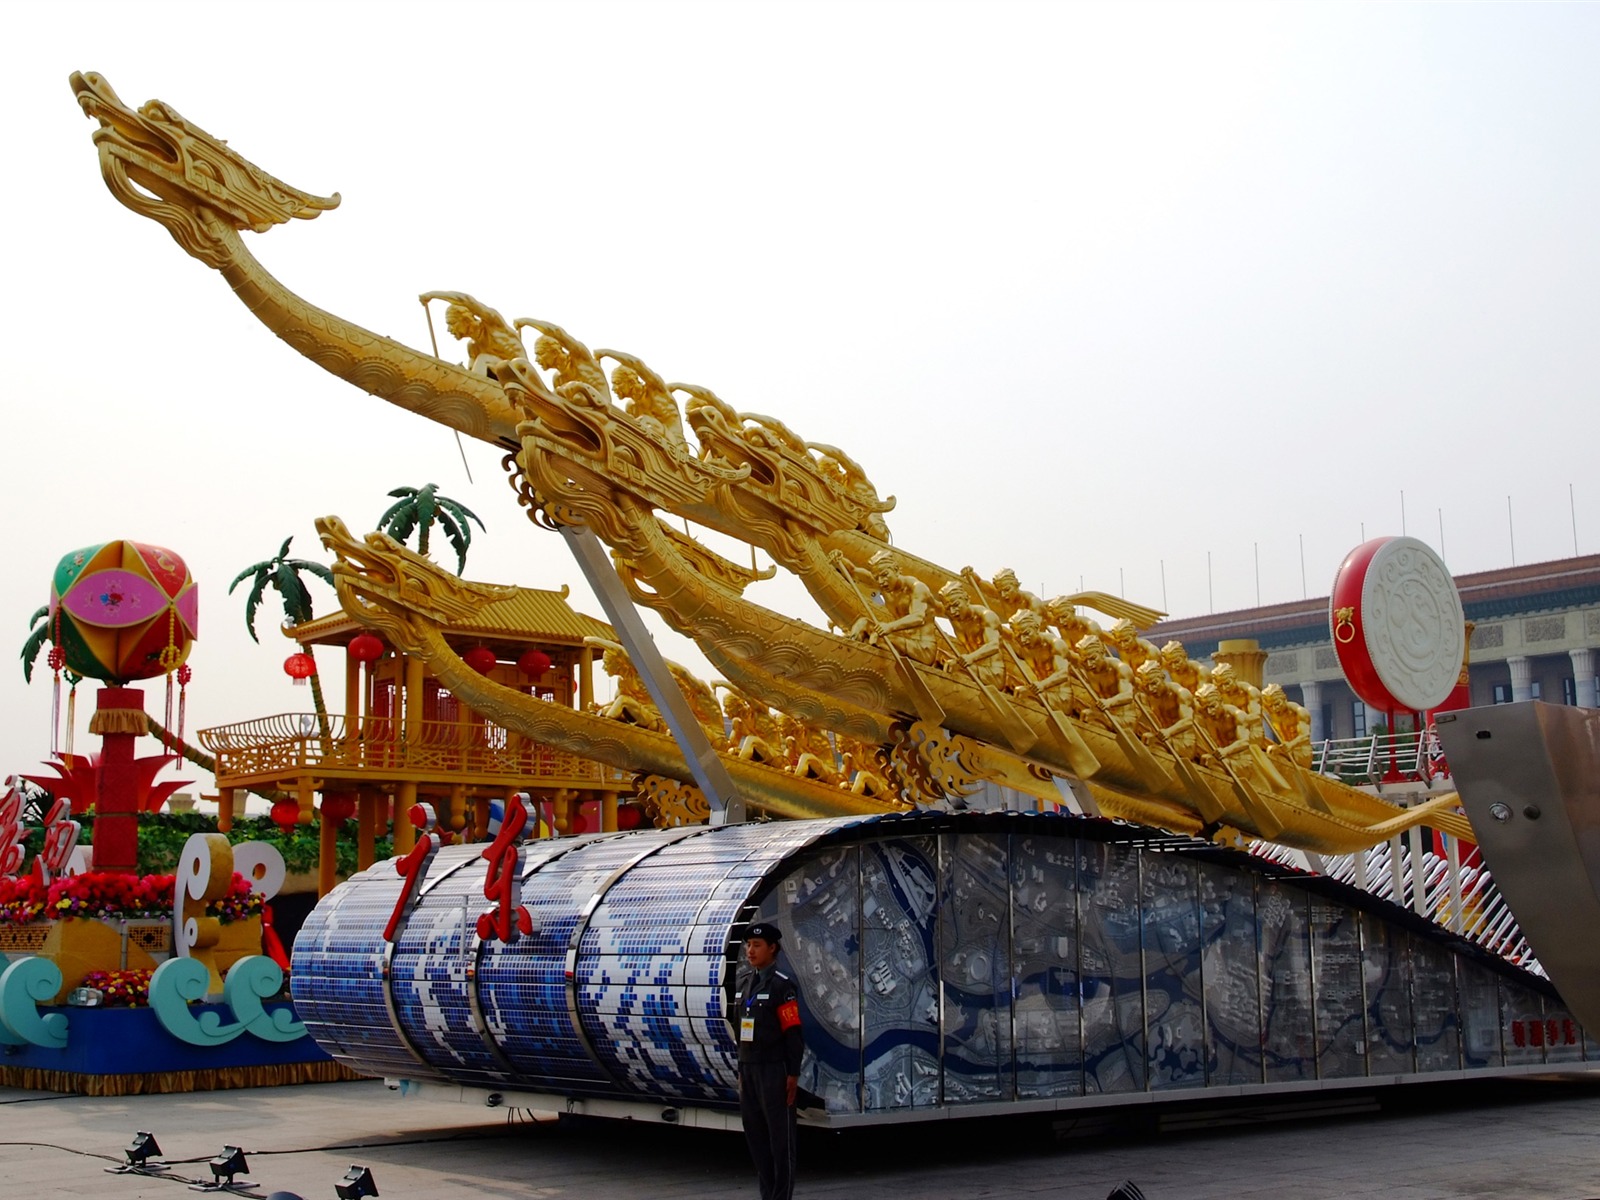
pixel 534 662
pixel 338 807
pixel 481 660
pixel 629 816
pixel 300 667
pixel 285 813
pixel 365 648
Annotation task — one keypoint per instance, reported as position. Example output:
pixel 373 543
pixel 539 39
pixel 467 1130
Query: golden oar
pixel 1298 775
pixel 1204 798
pixel 923 699
pixel 1137 753
pixel 1267 823
pixel 1017 732
pixel 1079 757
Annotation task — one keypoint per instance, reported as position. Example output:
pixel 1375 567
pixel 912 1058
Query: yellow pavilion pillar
pixel 352 695
pixel 586 678
pixel 366 829
pixel 608 812
pixel 224 809
pixel 406 796
pixel 327 852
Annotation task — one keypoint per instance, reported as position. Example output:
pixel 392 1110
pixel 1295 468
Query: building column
pixel 1521 678
pixel 1311 698
pixel 1583 677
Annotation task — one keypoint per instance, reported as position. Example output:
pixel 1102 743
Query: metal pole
pixel 1572 504
pixel 1511 527
pixel 1304 593
pixel 727 806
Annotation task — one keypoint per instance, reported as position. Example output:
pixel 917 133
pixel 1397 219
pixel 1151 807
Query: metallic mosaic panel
pixel 942 961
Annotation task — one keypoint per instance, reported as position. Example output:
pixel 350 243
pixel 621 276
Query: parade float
pixel 1101 871
pixel 113 981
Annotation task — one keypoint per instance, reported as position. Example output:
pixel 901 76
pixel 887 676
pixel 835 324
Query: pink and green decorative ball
pixel 122 611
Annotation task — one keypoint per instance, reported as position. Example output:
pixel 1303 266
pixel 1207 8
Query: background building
pixel 1535 630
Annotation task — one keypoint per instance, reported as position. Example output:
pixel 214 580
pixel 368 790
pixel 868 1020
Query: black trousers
pixel 769 1126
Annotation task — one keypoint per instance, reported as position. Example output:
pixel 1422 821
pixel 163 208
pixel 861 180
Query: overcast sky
pixel 1094 290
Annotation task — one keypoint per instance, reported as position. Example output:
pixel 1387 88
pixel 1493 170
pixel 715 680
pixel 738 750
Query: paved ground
pixel 1521 1141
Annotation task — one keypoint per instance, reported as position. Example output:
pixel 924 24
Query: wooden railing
pixel 290 742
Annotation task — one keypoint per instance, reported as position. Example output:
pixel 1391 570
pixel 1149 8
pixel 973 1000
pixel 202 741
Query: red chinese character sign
pixel 502 883
pixel 1397 624
pixel 413 866
pixel 123 611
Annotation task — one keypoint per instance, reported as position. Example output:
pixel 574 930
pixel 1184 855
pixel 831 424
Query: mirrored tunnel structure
pixel 944 961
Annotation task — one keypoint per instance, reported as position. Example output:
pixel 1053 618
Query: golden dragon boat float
pixel 960 680
pixel 949 960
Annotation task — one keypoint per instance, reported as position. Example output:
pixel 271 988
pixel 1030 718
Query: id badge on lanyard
pixel 747 1027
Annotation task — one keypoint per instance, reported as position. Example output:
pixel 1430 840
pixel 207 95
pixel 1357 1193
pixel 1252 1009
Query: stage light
pixel 223 1169
pixel 140 1153
pixel 285 1196
pixel 356 1184
pixel 1126 1190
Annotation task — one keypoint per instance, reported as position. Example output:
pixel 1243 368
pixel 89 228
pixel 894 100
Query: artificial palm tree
pixel 282 574
pixel 38 635
pixel 420 509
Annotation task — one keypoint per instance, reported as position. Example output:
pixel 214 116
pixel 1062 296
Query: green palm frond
pixel 419 510
pixel 40 621
pixel 253 601
pixel 282 574
pixel 315 568
pixel 246 573
pixel 296 600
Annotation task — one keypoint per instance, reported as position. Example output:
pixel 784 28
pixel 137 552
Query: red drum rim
pixel 1397 625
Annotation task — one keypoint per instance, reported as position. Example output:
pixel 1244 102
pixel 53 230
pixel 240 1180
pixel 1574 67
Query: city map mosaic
pixel 942 960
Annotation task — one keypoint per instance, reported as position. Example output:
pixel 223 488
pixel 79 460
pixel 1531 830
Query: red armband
pixel 788 1015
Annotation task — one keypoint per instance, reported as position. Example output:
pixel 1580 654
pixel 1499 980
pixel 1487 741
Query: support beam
pixel 727 806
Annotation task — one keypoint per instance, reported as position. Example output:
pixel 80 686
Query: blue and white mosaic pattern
pixel 942 960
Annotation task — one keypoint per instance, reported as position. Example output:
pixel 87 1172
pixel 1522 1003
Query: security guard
pixel 766 1020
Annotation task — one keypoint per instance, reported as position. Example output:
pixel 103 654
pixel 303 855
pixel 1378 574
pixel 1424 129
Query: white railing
pixel 1382 758
pixel 1460 898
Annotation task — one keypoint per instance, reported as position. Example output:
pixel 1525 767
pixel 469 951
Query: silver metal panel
pixel 1529 776
pixel 727 805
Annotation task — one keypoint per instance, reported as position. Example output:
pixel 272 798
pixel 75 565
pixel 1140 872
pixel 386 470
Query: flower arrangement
pixel 109 896
pixel 240 904
pixel 121 989
pixel 21 900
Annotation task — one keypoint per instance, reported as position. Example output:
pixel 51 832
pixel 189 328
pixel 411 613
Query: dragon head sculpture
pixel 397 592
pixel 177 174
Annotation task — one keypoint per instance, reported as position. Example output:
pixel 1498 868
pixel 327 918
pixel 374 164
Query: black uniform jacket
pixel 773 1006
